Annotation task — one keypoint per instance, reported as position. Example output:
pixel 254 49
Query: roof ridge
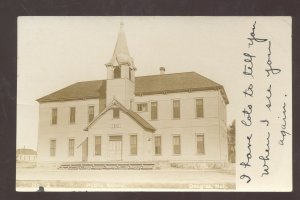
pixel 167 74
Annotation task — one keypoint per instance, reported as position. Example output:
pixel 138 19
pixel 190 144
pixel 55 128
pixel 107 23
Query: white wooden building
pixel 177 118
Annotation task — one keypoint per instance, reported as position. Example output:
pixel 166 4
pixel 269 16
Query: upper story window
pixel 54 116
pixel 72 115
pixel 142 107
pixel 116 113
pixel 153 110
pixel 199 108
pixel 176 109
pixel 117 72
pixel 91 113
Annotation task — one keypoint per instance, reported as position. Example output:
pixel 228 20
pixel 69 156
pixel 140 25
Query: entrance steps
pixel 107 166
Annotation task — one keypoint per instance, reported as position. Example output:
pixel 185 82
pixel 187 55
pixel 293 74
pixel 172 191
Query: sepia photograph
pixel 154 104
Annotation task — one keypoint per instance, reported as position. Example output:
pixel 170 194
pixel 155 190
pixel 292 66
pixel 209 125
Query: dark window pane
pixel 153 110
pixel 54 115
pixel 133 145
pixel 158 145
pixel 72 115
pixel 117 72
pixel 52 147
pixel 71 147
pixel 116 113
pixel 91 113
pixel 200 144
pixel 176 109
pixel 199 108
pixel 97 145
pixel 176 145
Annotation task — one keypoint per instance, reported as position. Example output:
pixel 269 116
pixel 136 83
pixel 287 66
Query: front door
pixel 115 148
pixel 85 150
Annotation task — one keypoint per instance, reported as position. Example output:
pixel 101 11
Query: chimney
pixel 162 70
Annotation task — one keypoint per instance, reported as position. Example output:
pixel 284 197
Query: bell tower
pixel 120 73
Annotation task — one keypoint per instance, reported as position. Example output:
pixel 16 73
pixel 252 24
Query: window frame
pixel 173 145
pixel 116 70
pixel 173 108
pixel 151 110
pixel 96 153
pixel 203 135
pixel 71 116
pixel 73 149
pixel 91 106
pixel 114 113
pixel 136 145
pixel 52 148
pixel 196 111
pixel 141 104
pixel 56 116
pixel 160 145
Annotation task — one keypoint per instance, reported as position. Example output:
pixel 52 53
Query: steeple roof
pixel 121 53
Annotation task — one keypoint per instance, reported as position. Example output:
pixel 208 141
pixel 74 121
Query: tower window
pixel 117 72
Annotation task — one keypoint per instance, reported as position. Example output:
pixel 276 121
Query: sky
pixel 54 52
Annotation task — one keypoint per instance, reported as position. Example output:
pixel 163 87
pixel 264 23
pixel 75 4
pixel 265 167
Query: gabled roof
pixel 144 85
pixel 24 151
pixel 136 117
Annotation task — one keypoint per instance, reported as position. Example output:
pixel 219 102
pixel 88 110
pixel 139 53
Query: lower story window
pixel 97 145
pixel 133 144
pixel 176 145
pixel 157 145
pixel 200 144
pixel 71 147
pixel 52 147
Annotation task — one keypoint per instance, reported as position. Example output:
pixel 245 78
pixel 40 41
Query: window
pixel 116 113
pixel 157 145
pixel 52 147
pixel 199 108
pixel 72 115
pixel 200 144
pixel 176 145
pixel 130 75
pixel 153 110
pixel 176 109
pixel 54 116
pixel 142 107
pixel 117 72
pixel 71 147
pixel 97 145
pixel 133 145
pixel 91 113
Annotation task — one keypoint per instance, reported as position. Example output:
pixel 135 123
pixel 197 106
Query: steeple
pixel 121 54
pixel 120 84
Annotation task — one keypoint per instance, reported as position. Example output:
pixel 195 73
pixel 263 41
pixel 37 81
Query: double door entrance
pixel 115 148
